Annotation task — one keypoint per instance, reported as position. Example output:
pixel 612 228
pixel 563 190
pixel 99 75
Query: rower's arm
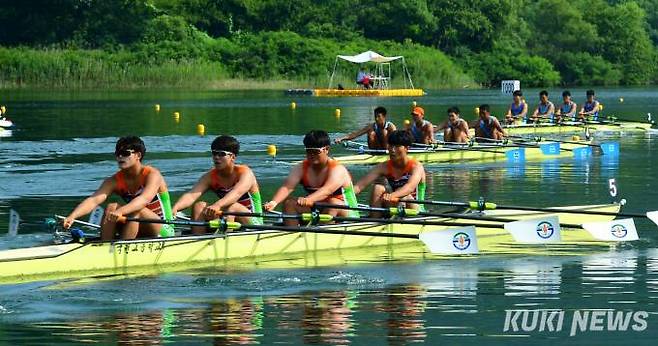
pixel 335 181
pixel 497 126
pixel 536 112
pixel 354 134
pixel 572 111
pixel 391 127
pixel 524 112
pixel 430 134
pixel 151 187
pixel 441 126
pixel 186 200
pixel 288 186
pixel 244 184
pixel 369 178
pixel 88 204
pixel 551 109
pixel 412 184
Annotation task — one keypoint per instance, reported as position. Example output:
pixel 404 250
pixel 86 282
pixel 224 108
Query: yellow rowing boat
pixel 482 153
pixel 236 248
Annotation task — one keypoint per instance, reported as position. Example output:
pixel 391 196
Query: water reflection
pixel 418 303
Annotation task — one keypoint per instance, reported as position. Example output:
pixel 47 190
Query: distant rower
pixel 455 129
pixel 377 131
pixel 545 110
pixel 404 175
pixel 517 110
pixel 323 178
pixel 421 130
pixel 590 110
pixel 487 126
pixel 567 111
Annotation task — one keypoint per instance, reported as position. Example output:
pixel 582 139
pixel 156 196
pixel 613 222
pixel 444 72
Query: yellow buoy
pixel 407 122
pixel 157 107
pixel 337 112
pixel 3 109
pixel 476 110
pixel 575 138
pixel 600 106
pixel 176 114
pixel 293 105
pixel 621 99
pixel 177 117
pixel 271 150
pixel 201 130
pixel 414 104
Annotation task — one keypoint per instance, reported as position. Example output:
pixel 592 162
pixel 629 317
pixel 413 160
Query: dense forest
pixel 448 43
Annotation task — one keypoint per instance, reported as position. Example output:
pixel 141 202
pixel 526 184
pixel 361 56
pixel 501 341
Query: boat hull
pixel 485 154
pixel 179 253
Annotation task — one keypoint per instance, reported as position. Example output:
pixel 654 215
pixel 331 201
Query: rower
pixel 377 131
pixel 590 110
pixel 517 110
pixel 422 131
pixel 404 175
pixel 567 110
pixel 487 126
pixel 235 186
pixel 455 129
pixel 324 179
pixel 545 109
pixel 141 187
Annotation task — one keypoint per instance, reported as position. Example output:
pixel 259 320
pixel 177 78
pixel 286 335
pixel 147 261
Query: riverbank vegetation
pixel 270 43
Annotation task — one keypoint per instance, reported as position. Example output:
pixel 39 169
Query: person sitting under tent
pixel 363 78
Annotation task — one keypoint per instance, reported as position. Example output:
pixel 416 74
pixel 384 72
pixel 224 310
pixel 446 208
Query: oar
pixel 434 241
pixel 480 205
pixel 544 227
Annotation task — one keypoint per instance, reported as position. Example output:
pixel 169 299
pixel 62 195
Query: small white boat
pixel 4 122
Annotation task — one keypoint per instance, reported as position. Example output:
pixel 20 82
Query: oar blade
pixel 610 148
pixel 96 216
pixel 582 153
pixel 14 221
pixel 653 216
pixel 615 230
pixel 452 241
pixel 535 231
pixel 515 155
pixel 552 148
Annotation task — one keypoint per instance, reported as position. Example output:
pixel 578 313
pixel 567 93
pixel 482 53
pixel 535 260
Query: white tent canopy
pixel 382 71
pixel 368 56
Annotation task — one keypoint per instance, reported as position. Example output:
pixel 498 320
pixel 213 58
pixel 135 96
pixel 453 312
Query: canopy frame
pixel 382 68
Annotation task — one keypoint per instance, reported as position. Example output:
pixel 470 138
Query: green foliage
pixel 542 42
pixel 584 69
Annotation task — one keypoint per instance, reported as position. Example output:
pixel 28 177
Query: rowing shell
pixel 544 150
pixel 575 127
pixel 177 253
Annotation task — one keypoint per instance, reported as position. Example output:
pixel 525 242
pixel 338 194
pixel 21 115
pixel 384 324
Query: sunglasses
pixel 221 153
pixel 124 152
pixel 314 151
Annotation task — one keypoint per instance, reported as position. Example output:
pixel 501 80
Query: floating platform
pixel 356 92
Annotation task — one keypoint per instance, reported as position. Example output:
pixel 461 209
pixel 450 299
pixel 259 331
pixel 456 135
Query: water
pixel 62 148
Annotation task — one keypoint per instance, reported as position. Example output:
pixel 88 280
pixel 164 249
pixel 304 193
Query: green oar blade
pixel 615 230
pixel 452 241
pixel 536 231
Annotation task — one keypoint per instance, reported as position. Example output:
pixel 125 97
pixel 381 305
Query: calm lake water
pixel 62 147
